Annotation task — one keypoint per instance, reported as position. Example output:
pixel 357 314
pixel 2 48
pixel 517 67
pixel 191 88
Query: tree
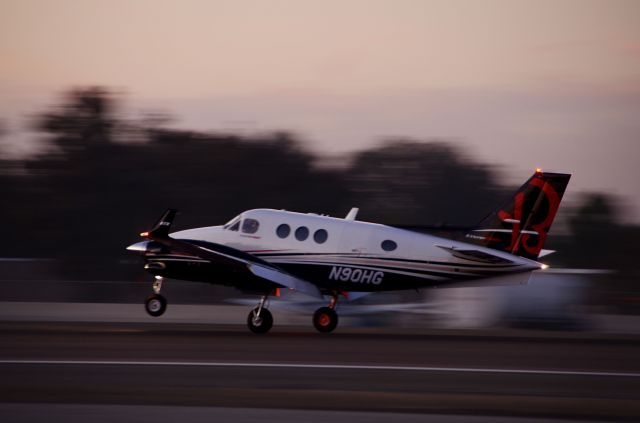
pixel 422 183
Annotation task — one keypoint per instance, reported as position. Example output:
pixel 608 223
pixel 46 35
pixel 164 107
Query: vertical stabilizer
pixel 521 226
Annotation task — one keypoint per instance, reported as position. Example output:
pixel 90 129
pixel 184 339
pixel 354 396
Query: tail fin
pixel 521 225
pixel 162 226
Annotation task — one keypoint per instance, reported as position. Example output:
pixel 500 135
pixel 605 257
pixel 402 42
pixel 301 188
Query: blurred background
pixel 417 112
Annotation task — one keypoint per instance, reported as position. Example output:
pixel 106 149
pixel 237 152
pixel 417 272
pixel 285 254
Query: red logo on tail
pixel 540 227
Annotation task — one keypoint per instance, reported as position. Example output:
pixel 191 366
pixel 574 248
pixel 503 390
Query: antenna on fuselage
pixel 352 214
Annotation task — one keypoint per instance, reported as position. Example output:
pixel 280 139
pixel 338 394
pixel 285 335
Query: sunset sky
pixel 521 84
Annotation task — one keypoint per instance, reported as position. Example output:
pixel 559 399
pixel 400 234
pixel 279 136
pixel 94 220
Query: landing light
pixel 538 170
pixel 145 234
pixel 544 266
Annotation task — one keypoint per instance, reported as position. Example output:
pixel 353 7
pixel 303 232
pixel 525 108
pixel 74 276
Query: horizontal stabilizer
pixel 572 271
pixel 475 255
pixel 544 253
pixel 504 280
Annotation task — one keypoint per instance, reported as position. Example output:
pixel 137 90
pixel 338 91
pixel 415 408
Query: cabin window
pixel 250 226
pixel 388 245
pixel 234 226
pixel 283 230
pixel 320 236
pixel 302 233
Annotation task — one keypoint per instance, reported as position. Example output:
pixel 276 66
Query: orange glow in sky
pixel 518 83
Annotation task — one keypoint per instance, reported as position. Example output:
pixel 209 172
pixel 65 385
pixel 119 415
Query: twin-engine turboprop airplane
pixel 263 250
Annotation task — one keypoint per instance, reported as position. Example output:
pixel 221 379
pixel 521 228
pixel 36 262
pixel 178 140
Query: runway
pixel 523 374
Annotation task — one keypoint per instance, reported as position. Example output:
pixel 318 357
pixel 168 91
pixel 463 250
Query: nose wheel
pixel 156 304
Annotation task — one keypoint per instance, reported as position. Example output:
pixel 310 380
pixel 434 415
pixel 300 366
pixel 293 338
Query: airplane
pixel 262 251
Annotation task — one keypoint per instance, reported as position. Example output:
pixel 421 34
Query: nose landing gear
pixel 156 304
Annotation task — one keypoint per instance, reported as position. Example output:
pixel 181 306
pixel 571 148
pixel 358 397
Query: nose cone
pixel 147 247
pixel 139 247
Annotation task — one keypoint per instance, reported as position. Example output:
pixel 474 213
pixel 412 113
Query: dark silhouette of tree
pixel 418 183
pixel 97 186
pixel 96 191
pixel 599 239
pixel 85 117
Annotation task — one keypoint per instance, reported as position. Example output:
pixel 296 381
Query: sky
pixel 521 84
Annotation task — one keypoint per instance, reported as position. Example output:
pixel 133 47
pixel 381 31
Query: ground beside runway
pixel 99 413
pixel 521 374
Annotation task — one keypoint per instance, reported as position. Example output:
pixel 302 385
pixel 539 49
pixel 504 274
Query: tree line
pixel 101 179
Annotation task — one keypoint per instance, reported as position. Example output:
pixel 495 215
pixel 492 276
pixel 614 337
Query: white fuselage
pixel 354 255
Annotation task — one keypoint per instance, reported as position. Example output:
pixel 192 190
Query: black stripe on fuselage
pixel 356 255
pixel 385 280
pixel 450 273
pixel 223 249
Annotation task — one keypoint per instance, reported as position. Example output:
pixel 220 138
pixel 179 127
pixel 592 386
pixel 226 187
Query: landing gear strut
pixel 260 319
pixel 156 304
pixel 325 319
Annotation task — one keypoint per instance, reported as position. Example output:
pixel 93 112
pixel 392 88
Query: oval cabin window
pixel 388 245
pixel 302 233
pixel 283 230
pixel 320 236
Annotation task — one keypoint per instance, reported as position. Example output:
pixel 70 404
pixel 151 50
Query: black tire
pixel 325 319
pixel 262 324
pixel 155 305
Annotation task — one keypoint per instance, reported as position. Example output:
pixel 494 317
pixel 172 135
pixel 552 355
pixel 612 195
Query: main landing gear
pixel 325 319
pixel 260 319
pixel 156 304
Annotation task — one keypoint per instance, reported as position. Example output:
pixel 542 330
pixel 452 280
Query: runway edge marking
pixel 320 366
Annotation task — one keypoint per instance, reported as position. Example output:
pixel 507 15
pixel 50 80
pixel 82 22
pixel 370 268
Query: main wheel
pixel 325 319
pixel 259 324
pixel 156 305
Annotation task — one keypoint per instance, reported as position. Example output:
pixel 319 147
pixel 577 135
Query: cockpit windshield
pixel 233 224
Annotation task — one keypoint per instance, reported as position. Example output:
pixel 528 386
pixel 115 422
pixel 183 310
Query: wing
pixel 227 256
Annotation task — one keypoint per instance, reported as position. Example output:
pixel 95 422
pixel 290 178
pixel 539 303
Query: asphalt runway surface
pixel 70 369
